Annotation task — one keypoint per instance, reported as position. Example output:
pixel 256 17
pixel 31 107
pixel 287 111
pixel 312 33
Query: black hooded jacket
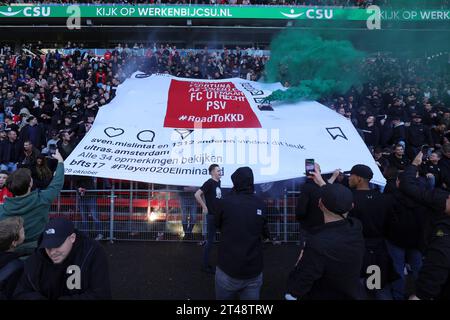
pixel 434 276
pixel 241 219
pixel 9 151
pixel 307 210
pixel 433 281
pixel 329 266
pixel 444 166
pixel 408 223
pixel 418 135
pixel 426 206
pixel 42 279
pixel 434 200
pixel 372 209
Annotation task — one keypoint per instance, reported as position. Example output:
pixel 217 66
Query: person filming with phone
pixel 307 211
pixel 329 265
pixel 32 206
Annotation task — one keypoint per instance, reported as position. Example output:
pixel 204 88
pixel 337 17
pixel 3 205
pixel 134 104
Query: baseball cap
pixel 362 171
pixel 337 198
pixel 56 232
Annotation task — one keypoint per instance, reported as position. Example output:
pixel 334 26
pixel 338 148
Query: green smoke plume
pixel 312 67
pixel 327 61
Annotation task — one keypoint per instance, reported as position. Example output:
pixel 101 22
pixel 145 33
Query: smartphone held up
pixel 309 166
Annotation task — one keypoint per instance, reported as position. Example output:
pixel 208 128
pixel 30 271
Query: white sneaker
pixel 99 237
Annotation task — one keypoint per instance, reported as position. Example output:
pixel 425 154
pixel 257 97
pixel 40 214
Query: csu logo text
pixel 37 11
pixel 319 14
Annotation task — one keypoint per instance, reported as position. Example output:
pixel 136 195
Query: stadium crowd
pixel 49 102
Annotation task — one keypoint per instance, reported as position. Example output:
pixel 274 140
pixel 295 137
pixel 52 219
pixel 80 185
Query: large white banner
pixel 168 130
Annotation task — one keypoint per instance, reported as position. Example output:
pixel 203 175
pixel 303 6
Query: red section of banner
pixel 208 105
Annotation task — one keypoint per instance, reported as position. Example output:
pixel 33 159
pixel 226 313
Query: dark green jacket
pixel 34 208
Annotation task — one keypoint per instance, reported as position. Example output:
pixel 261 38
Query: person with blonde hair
pixel 12 234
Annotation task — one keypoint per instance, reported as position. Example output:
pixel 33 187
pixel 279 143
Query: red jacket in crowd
pixel 100 77
pixel 4 193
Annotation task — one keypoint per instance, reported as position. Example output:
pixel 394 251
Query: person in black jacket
pixel 208 197
pixel 444 166
pixel 9 152
pixel 12 234
pixel 417 135
pixel 398 131
pixel 433 281
pixel 241 218
pixel 307 211
pixel 398 159
pixel 42 175
pixel 438 134
pixel 33 132
pixel 371 132
pixel 28 156
pixel 431 171
pixel 386 130
pixel 10 125
pixel 434 277
pixel 406 236
pixel 380 160
pixel 329 266
pixel 372 209
pixel 87 204
pixel 65 145
pixel 67 265
pixel 430 115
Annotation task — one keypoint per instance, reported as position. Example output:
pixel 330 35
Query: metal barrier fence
pixel 157 215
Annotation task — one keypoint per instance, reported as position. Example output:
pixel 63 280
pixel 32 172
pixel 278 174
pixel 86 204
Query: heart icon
pixel 113 132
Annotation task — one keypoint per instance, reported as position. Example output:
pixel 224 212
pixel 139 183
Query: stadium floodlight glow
pixel 189 22
pixel 152 216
